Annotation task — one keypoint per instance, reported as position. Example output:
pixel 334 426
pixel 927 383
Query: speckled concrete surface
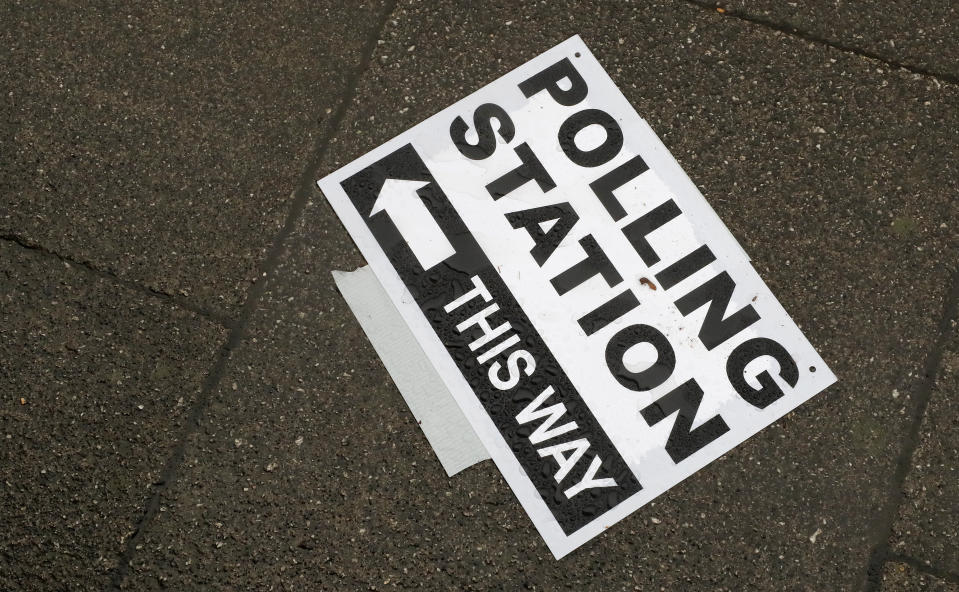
pixel 899 577
pixel 97 381
pixel 305 470
pixel 162 141
pixel 921 34
pixel 928 524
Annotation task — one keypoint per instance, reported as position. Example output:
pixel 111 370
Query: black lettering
pixel 613 180
pixel 608 312
pixel 651 377
pixel 596 262
pixel 485 144
pixel 637 230
pixel 601 154
pixel 530 168
pixel 546 242
pixel 717 327
pixel 548 80
pixel 769 392
pixel 685 267
pixel 683 441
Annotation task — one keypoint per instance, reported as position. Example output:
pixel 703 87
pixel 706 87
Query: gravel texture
pixel 928 524
pixel 899 577
pixel 920 33
pixel 163 141
pixel 96 382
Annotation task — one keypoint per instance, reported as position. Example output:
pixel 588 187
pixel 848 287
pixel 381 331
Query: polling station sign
pixel 595 321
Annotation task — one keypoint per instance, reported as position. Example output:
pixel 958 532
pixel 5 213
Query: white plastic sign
pixel 600 328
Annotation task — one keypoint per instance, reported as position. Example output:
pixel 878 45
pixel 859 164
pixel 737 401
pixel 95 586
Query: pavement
pixel 188 404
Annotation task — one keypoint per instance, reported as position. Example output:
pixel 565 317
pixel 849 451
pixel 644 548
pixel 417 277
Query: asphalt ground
pixel 189 404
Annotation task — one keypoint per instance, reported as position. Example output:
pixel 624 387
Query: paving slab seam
pixel 178 301
pixel 304 190
pixel 923 567
pixel 941 77
pixel 881 553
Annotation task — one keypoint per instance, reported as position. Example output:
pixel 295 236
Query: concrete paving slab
pixel 837 179
pixel 161 141
pixel 928 525
pixel 899 577
pixel 96 381
pixel 920 34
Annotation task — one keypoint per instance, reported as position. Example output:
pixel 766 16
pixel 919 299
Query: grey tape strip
pixel 446 428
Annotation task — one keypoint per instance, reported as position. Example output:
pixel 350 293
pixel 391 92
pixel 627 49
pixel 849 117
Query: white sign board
pixel 600 328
